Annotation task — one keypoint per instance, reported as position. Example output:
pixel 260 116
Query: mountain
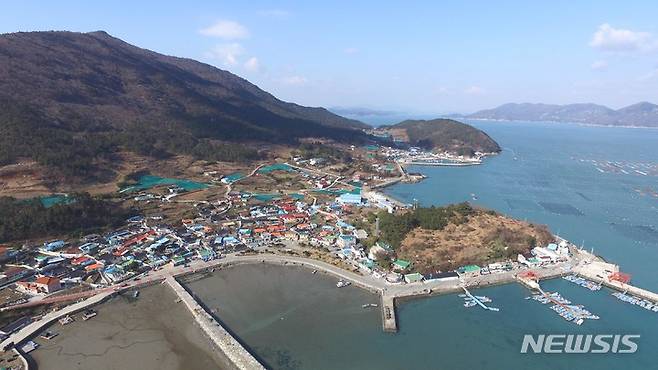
pixel 641 114
pixel 69 99
pixel 444 135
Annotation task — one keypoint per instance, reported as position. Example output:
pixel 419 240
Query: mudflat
pixel 151 331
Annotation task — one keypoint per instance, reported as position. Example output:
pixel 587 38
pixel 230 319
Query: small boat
pixel 136 294
pixel 48 335
pixel 66 320
pixel 88 314
pixel 368 305
pixel 342 283
pixel 314 272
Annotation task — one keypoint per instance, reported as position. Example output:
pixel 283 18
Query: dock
pixel 230 346
pixel 479 303
pixel 389 321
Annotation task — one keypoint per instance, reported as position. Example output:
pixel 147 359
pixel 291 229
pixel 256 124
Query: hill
pixel 444 238
pixel 444 135
pixel 636 115
pixel 70 100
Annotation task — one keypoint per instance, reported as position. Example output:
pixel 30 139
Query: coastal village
pixel 298 208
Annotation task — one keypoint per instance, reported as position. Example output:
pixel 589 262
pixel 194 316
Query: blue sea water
pixel 545 175
pixel 292 319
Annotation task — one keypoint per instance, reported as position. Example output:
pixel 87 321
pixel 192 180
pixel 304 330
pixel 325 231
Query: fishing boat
pixel 66 320
pixel 48 335
pixel 342 283
pixel 88 314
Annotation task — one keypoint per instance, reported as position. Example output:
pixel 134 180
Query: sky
pixel 403 56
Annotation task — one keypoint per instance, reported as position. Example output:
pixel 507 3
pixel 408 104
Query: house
pixel 413 278
pixel 346 241
pixel 442 276
pixel 349 198
pixel 360 234
pixel 379 251
pixel 42 285
pixel 54 245
pixel 401 265
pixel 15 325
pixel 469 269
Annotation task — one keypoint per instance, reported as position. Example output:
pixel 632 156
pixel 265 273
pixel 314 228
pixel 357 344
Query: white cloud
pixel 294 80
pixel 225 29
pixel 607 38
pixel 475 90
pixel 228 54
pixel 351 50
pixel 252 64
pixel 599 64
pixel 275 13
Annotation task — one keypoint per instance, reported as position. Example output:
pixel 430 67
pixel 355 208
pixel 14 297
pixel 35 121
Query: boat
pixel 314 272
pixel 88 314
pixel 48 335
pixel 65 320
pixel 136 294
pixel 342 283
pixel 368 305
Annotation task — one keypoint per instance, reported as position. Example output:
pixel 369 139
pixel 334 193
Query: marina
pixel 582 282
pixel 647 305
pixel 563 307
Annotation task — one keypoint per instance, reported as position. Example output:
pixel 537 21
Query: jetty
pixel 478 301
pixel 230 346
pixel 389 321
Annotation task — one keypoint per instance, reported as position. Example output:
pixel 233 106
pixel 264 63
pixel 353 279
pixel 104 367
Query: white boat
pixel 66 320
pixel 342 283
pixel 88 314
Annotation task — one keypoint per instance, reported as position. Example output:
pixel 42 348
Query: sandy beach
pixel 149 332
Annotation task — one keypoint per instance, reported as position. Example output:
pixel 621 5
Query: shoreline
pixel 562 122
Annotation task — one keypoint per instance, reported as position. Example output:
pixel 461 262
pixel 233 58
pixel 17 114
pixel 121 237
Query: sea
pixel 596 186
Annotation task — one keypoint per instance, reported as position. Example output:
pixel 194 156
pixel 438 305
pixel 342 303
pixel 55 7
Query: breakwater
pixel 236 353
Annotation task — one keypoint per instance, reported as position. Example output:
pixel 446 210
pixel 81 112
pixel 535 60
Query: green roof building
pixel 401 265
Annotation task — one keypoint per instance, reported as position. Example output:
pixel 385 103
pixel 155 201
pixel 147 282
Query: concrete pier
pixel 389 321
pixel 235 352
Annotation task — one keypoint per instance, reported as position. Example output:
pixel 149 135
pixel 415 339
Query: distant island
pixel 637 115
pixel 443 135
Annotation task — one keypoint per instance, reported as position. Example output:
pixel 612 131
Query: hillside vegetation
pixel 21 219
pixel 70 100
pixel 445 135
pixel 444 238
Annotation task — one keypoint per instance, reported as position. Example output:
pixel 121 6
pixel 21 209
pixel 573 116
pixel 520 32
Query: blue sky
pixel 421 57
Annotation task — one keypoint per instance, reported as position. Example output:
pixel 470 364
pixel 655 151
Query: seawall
pixel 230 346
